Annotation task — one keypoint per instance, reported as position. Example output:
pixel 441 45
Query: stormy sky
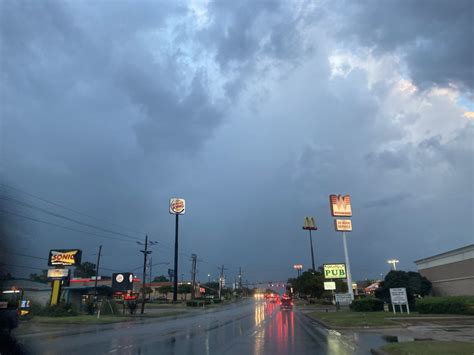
pixel 254 112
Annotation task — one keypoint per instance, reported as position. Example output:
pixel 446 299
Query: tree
pixel 85 270
pixel 160 278
pixel 415 284
pixel 310 283
pixel 212 288
pixel 43 277
pixel 184 290
pixel 165 290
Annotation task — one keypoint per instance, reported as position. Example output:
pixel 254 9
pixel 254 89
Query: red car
pixel 286 302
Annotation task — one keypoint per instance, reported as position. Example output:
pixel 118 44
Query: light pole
pixel 298 268
pixel 393 262
pixel 310 225
pixel 208 277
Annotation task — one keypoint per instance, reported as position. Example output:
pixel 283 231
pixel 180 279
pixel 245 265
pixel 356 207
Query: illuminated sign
pixel 329 285
pixel 335 271
pixel 58 274
pixel 122 281
pixel 64 257
pixel 297 267
pixel 340 205
pixel 309 223
pixel 177 206
pixel 343 225
pixel 202 290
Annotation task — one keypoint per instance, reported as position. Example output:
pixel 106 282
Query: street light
pixel 393 262
pixel 208 277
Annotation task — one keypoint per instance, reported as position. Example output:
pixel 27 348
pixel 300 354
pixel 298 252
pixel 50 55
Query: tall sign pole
pixel 348 266
pixel 341 207
pixel 175 278
pixel 177 207
pixel 311 226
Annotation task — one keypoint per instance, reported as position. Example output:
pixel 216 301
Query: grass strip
pixel 429 347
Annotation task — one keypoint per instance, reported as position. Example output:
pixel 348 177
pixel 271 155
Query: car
pixel 286 302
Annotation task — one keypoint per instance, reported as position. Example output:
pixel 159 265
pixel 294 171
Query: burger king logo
pixel 177 206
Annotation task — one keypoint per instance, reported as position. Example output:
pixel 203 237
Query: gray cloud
pixel 112 108
pixel 434 37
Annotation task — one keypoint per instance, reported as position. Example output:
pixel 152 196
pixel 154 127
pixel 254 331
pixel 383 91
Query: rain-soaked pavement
pixel 248 327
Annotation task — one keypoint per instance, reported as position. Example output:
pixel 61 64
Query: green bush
pixel 60 310
pixel 216 301
pixel 367 305
pixel 446 305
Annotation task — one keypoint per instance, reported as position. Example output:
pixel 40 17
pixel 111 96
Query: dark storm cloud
pixel 435 37
pixel 113 107
pixel 389 200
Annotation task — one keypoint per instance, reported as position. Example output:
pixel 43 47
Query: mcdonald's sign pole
pixel 310 225
pixel 341 207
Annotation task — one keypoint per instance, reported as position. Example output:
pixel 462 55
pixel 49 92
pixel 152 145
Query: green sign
pixel 335 271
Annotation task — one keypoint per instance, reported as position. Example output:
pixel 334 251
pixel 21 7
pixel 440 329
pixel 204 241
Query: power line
pixel 67 218
pixel 64 227
pixel 68 208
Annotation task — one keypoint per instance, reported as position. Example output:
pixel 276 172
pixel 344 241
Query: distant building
pixel 36 292
pixel 451 273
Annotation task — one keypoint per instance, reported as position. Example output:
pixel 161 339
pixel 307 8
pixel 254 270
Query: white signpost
pixel 398 296
pixel 329 285
pixel 343 298
pixel 341 207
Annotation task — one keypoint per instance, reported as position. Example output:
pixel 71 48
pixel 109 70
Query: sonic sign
pixel 64 257
pixel 177 206
pixel 340 205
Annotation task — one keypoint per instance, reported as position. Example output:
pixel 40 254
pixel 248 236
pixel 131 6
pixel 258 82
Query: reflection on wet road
pixel 248 327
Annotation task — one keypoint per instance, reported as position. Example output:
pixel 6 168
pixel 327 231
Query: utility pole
pixel 221 280
pixel 97 275
pixel 145 255
pixel 240 278
pixel 193 275
pixel 151 265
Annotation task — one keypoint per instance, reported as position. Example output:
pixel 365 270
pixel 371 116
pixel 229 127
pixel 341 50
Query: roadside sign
pixel 329 285
pixel 309 223
pixel 122 281
pixel 343 298
pixel 58 274
pixel 297 266
pixel 343 225
pixel 335 271
pixel 177 206
pixel 64 257
pixel 340 205
pixel 398 295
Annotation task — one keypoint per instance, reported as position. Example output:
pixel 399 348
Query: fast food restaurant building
pixel 451 273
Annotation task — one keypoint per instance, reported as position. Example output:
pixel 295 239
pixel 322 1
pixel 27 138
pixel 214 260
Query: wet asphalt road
pixel 248 327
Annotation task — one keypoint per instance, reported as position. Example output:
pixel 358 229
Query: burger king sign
pixel 177 206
